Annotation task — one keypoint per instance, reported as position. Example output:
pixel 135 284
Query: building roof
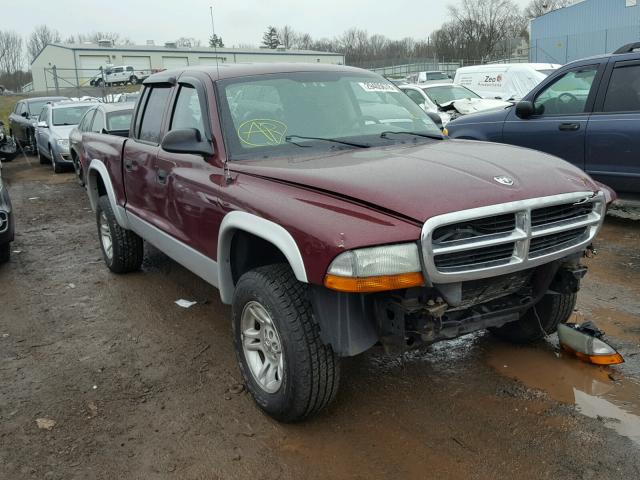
pixel 204 50
pixel 231 70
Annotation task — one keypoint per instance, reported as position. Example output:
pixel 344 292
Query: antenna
pixel 215 40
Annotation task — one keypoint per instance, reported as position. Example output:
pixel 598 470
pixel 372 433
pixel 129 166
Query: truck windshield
pixel 261 115
pixel 444 94
pixel 69 115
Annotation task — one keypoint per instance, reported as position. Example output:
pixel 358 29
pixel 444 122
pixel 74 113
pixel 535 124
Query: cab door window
pixel 568 95
pixel 623 93
pixel 187 112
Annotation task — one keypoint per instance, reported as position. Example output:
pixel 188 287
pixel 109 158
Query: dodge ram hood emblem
pixel 504 180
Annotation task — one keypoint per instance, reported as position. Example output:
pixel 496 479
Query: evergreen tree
pixel 216 41
pixel 270 38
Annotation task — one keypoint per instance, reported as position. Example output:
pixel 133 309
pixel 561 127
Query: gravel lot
pixel 141 388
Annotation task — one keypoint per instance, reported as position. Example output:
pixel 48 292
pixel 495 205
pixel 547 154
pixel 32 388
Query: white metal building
pixel 75 64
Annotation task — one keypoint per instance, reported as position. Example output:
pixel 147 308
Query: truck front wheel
pixel 122 249
pixel 5 252
pixel 286 367
pixel 540 320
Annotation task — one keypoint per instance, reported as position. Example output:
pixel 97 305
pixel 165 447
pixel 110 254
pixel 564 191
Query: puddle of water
pixel 596 391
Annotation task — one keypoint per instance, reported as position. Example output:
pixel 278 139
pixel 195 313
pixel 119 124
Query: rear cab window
pixel 153 114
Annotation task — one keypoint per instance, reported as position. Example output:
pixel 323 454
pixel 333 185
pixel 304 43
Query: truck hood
pixel 428 179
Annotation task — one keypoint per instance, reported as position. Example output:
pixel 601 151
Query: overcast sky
pixel 237 21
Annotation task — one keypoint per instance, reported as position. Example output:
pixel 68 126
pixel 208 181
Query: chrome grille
pixel 499 239
pixel 4 221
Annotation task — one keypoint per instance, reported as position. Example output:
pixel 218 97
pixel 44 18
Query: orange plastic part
pixel 373 284
pixel 614 359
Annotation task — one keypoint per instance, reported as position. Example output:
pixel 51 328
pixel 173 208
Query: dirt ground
pixel 141 388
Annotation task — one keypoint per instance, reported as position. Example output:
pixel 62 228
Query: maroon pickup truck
pixel 333 215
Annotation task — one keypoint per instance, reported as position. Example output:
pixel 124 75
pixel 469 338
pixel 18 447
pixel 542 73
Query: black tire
pixel 5 252
pixel 43 160
pixel 77 168
pixel 99 82
pixel 127 247
pixel 133 79
pixel 548 313
pixel 311 369
pixel 57 168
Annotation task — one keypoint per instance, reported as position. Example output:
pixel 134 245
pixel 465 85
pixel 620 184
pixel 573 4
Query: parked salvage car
pixel 504 81
pixel 587 112
pixel 52 132
pixel 23 119
pixel 330 230
pixel 101 119
pixel 449 100
pixel 7 224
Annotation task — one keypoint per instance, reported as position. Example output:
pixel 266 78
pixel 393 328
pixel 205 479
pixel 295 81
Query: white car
pixel 449 100
pixel 119 75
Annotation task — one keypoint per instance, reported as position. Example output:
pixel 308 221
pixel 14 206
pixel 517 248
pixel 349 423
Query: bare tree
pixel 11 48
pixel 484 24
pixel 95 37
pixel 40 38
pixel 188 42
pixel 537 8
pixel 288 36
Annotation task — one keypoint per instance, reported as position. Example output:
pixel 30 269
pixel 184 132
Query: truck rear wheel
pixel 122 250
pixel 286 367
pixel 540 320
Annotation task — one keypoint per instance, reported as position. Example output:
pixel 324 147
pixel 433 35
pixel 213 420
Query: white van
pixel 503 81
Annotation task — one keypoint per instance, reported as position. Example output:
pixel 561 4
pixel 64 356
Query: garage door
pixel 174 62
pixel 138 63
pixel 89 66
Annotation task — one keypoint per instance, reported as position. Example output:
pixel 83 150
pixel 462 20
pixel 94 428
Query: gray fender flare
pixel 260 227
pixel 98 169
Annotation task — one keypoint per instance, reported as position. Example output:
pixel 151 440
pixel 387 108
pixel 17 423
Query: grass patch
pixel 7 104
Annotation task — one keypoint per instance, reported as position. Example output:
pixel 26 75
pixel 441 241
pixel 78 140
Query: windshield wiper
pixel 289 138
pixel 425 135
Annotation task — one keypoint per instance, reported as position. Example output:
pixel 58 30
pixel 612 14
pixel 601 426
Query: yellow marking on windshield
pixel 261 132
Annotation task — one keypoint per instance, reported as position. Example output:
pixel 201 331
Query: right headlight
pixel 376 269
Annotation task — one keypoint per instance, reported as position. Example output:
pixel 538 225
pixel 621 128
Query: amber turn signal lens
pixel 613 359
pixel 373 284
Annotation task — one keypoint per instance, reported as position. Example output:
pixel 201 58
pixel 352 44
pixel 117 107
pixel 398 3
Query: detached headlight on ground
pixel 587 345
pixel 63 142
pixel 376 269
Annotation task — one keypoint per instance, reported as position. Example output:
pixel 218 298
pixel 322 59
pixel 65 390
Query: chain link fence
pixel 101 83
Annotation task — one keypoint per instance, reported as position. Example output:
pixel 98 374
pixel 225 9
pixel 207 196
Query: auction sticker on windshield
pixel 377 87
pixel 262 132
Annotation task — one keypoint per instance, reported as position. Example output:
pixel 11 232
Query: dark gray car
pixel 6 222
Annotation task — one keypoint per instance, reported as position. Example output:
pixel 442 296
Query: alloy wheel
pixel 262 347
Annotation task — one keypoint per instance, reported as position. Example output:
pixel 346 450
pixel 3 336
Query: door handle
pixel 569 127
pixel 128 165
pixel 161 175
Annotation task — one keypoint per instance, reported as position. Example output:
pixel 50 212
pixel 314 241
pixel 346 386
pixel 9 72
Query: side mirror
pixel 25 114
pixel 188 140
pixel 43 124
pixel 436 119
pixel 524 109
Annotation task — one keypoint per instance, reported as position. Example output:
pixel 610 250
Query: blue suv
pixel 587 113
